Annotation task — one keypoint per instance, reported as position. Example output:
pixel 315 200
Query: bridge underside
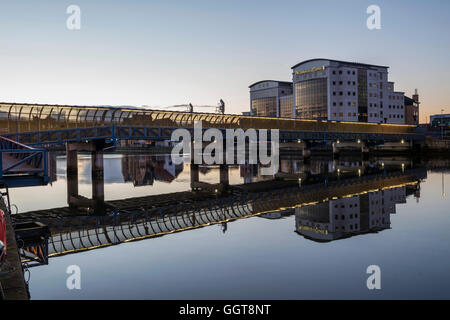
pixel 114 133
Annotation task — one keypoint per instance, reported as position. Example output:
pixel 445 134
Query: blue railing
pixel 20 159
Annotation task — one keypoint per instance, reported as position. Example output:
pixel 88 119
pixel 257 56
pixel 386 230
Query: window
pixel 311 98
pixel 265 107
pixel 286 105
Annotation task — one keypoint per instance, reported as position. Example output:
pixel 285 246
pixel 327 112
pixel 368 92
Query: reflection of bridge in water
pixel 75 234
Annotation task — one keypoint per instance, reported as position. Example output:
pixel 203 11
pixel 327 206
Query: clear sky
pixel 161 53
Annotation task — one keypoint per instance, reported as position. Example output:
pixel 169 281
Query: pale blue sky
pixel 166 52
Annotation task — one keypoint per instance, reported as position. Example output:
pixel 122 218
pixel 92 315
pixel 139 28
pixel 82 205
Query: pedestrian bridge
pixel 35 124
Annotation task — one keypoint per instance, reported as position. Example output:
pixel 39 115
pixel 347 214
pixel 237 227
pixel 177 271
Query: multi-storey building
pixel 412 109
pixel 326 89
pixel 267 96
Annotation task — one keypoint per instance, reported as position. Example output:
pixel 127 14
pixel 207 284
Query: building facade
pixel 412 109
pixel 326 89
pixel 440 120
pixel 265 98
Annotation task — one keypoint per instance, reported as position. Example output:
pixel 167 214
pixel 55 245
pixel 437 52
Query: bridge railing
pixel 20 159
pixel 16 118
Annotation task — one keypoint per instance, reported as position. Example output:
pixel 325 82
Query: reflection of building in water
pixel 143 170
pixel 291 166
pixel 252 173
pixel 320 166
pixel 345 217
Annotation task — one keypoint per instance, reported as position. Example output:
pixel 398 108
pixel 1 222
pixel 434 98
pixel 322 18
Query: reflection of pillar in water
pixel 72 174
pixel 98 185
pixel 224 178
pixel 194 174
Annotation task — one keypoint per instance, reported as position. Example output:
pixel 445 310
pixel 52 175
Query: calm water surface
pixel 272 256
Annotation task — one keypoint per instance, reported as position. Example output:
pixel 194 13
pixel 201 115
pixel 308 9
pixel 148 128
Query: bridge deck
pixel 40 124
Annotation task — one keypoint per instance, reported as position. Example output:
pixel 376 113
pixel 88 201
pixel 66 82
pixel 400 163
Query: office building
pixel 326 89
pixel 265 97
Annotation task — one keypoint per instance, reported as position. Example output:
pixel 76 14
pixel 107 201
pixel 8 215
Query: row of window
pixel 348 72
pixel 341 114
pixel 349 93
pixel 349 104
pixel 348 83
pixel 350 114
pixel 394 107
pixel 336 217
pixel 350 226
pixel 380 75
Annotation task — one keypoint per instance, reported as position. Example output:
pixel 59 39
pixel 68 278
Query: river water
pixel 321 250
